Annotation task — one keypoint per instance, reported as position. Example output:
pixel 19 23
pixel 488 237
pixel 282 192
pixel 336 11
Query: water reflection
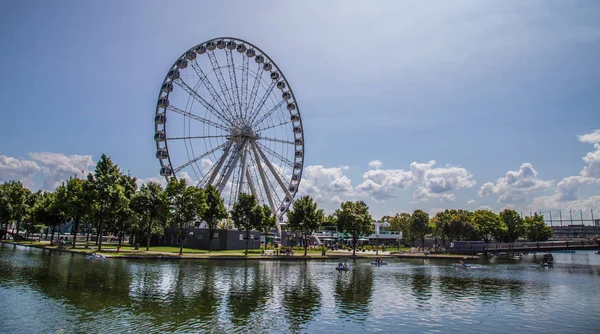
pixel 301 297
pixel 266 296
pixel 353 291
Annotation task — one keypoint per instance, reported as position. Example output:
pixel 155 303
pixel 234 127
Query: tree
pixel 305 218
pixel 247 214
pixel 268 222
pixel 536 229
pixel 13 206
pixel 215 212
pixel 488 225
pixel 152 207
pixel 354 218
pixel 106 197
pixel 124 217
pixel 401 222
pixel 187 203
pixel 419 225
pixel 515 225
pixel 77 204
pixel 30 224
pixel 440 225
pixel 59 214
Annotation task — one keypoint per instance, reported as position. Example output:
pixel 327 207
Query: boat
pixel 461 265
pixel 598 252
pixel 518 256
pixel 547 260
pixel 342 268
pixel 95 257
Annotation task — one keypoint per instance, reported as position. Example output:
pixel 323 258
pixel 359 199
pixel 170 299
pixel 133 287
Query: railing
pixel 479 247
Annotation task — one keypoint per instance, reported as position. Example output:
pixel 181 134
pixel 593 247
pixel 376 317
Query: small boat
pixel 517 256
pixel 95 257
pixel 382 263
pixel 342 268
pixel 598 252
pixel 546 264
pixel 461 265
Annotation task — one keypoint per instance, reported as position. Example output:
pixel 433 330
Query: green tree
pixel 106 196
pixel 13 203
pixel 187 203
pixel 488 225
pixel 124 217
pixel 515 225
pixel 440 225
pixel 536 229
pixel 247 214
pixel 305 218
pixel 215 212
pixel 419 226
pixel 401 222
pixel 77 204
pixel 353 218
pixel 152 207
pixel 461 225
pixel 268 222
pixel 29 221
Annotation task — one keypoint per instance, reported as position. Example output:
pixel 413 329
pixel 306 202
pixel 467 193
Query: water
pixel 42 291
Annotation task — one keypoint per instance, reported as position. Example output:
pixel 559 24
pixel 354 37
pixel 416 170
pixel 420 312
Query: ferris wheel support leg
pixel 263 178
pixel 230 168
pixel 214 174
pixel 251 184
pixel 244 165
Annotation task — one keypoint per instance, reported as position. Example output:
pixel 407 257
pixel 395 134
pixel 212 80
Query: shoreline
pixel 151 255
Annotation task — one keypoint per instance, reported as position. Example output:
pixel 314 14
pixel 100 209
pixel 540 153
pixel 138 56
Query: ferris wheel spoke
pixel 233 81
pixel 277 140
pixel 269 113
pixel 224 90
pixel 196 159
pixel 202 101
pixel 263 178
pixel 211 89
pixel 254 92
pixel 262 101
pixel 198 137
pixel 275 173
pixel 244 100
pixel 196 117
pixel 272 126
pixel 243 170
pixel 277 155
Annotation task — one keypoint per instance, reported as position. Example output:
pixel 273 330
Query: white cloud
pixel 325 185
pixel 156 179
pixel 590 138
pixel 592 159
pixel 58 167
pixel 375 164
pixel 471 202
pixel 430 182
pixel 515 187
pixel 16 169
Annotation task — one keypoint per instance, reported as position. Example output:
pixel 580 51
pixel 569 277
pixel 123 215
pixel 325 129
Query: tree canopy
pixel 305 218
pixel 353 218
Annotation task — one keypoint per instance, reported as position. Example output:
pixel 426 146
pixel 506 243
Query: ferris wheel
pixel 226 116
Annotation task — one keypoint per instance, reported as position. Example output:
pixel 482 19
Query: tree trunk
pixel 52 238
pixel 211 233
pixel 99 238
pixel 354 247
pixel 75 230
pixel 247 239
pixel 18 227
pixel 181 240
pixel 148 239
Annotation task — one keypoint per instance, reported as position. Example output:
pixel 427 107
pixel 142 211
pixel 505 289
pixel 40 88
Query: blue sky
pixel 498 94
